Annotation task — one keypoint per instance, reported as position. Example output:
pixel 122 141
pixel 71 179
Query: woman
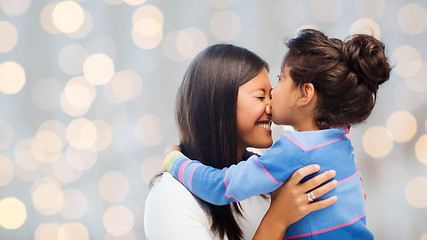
pixel 222 108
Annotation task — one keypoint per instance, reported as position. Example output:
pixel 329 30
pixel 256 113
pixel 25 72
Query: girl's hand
pixel 170 149
pixel 290 202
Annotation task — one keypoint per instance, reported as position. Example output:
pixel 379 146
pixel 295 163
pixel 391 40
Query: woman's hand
pixel 290 202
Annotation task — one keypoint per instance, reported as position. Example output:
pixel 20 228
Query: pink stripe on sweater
pixel 191 176
pixel 328 229
pixel 266 172
pixel 181 171
pixel 226 187
pixel 352 176
pixel 311 148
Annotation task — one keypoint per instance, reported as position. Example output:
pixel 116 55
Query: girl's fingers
pixel 318 180
pixel 299 174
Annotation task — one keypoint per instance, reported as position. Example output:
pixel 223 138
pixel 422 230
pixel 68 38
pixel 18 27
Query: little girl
pixel 325 86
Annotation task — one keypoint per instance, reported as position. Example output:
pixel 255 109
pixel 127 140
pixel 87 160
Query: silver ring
pixel 310 197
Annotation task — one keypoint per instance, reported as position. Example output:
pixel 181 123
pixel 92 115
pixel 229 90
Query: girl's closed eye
pixel 278 77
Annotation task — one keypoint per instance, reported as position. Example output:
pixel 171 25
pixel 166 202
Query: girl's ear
pixel 308 93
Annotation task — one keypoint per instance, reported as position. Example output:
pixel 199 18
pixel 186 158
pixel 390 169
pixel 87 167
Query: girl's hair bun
pixel 365 55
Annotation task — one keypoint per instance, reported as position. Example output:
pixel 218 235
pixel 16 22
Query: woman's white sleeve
pixel 171 212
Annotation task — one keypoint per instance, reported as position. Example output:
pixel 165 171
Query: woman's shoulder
pixel 171 212
pixel 166 189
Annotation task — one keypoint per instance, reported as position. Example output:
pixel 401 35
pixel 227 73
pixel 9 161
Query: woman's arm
pixel 290 202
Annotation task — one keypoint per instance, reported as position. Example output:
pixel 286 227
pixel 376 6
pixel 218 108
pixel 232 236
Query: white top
pixel 171 212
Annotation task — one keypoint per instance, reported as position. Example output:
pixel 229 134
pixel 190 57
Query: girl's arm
pixel 256 175
pixel 290 204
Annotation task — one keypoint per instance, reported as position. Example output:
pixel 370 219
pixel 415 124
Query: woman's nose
pixel 268 109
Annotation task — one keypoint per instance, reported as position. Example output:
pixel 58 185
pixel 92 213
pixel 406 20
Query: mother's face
pixel 253 116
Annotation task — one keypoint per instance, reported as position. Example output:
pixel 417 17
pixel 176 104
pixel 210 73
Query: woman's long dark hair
pixel 206 117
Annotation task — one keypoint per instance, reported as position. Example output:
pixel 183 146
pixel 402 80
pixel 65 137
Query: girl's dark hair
pixel 345 74
pixel 206 117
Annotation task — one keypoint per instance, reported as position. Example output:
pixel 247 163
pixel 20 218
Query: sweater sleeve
pixel 254 176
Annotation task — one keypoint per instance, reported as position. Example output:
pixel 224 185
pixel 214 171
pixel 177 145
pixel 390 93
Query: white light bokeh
pixel 24 157
pixel 14 7
pixel 81 160
pixel 366 26
pixel 68 16
pixel 150 166
pixel 225 25
pixel 147 27
pixel 148 12
pixel 81 133
pixel 418 83
pixel 104 135
pixel 71 58
pixel 12 77
pixel 134 2
pixel 402 125
pixel 7 171
pixel 85 29
pixel 46 19
pixel 416 192
pixel 45 93
pixel 326 10
pixel 75 204
pixel 371 9
pixel 148 130
pixel 377 142
pixel 48 198
pixel 6 135
pixel 64 172
pixel 406 98
pixel 147 31
pixel 47 231
pixel 125 86
pixel 169 47
pixel 421 149
pixel 407 61
pixel 73 230
pixel 49 141
pixel 114 2
pixel 190 42
pixel 98 69
pixel 118 220
pixel 113 186
pixel 13 213
pixel 9 36
pixel 412 19
pixel 77 97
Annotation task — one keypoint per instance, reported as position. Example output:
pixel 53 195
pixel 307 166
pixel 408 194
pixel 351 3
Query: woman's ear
pixel 308 93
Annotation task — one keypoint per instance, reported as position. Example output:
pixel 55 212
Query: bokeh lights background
pixel 87 95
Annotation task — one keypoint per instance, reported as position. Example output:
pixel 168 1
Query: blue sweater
pixel 331 149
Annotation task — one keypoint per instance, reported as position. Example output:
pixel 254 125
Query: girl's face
pixel 253 116
pixel 284 100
